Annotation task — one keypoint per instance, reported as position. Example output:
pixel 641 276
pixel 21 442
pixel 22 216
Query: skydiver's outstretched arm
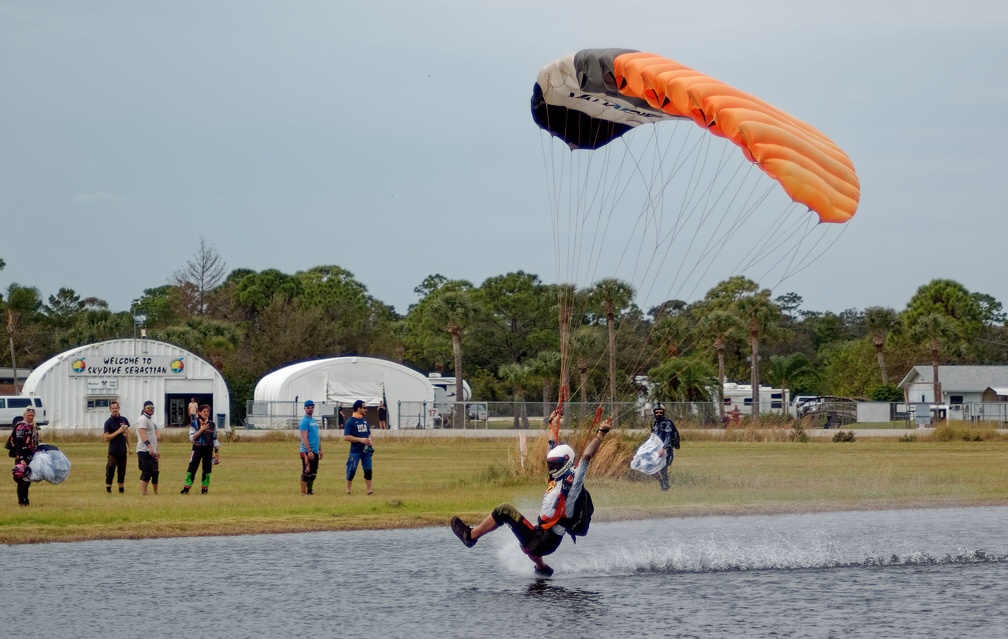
pixel 596 441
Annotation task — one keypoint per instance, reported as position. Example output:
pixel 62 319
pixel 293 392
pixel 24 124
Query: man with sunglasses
pixel 311 448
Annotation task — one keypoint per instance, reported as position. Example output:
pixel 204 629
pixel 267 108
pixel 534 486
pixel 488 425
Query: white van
pixel 12 408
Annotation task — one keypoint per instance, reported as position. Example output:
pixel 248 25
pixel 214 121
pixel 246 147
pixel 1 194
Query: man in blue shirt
pixel 358 433
pixel 311 448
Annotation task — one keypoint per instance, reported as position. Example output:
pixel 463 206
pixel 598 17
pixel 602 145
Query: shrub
pixel 798 433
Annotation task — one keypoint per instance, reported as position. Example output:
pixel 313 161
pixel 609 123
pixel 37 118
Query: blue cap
pixel 309 403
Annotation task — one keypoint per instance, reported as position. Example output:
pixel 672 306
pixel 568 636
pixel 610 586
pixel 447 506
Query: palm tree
pixel 684 379
pixel 881 321
pixel 586 344
pixel 516 375
pixel 545 366
pixel 939 333
pixel 456 309
pixel 671 332
pixel 760 316
pixel 211 338
pixel 567 296
pixel 612 296
pixel 22 302
pixel 722 325
pixel 788 371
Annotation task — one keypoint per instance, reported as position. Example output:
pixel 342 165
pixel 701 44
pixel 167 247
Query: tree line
pixel 513 337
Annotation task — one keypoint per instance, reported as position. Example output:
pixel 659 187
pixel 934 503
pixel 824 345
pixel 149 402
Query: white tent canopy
pixel 347 379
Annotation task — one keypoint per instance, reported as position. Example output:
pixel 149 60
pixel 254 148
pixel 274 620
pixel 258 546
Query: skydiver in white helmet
pixel 559 514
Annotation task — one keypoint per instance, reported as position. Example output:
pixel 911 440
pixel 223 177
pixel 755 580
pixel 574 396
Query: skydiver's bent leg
pixel 536 542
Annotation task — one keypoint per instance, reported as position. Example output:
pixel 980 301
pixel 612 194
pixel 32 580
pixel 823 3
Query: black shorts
pixel 309 467
pixel 535 539
pixel 148 465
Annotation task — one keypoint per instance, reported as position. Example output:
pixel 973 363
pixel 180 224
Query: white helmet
pixel 560 460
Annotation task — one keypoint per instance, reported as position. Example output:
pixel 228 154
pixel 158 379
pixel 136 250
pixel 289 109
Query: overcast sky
pixel 297 133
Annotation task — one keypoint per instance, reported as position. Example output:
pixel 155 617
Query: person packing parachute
pixel 566 506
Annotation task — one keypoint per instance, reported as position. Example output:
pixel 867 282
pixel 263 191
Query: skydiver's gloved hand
pixel 605 427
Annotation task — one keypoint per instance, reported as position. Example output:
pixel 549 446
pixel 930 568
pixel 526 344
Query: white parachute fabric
pixel 49 464
pixel 650 457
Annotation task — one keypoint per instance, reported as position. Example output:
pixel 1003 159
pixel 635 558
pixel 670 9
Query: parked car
pixel 477 412
pixel 12 408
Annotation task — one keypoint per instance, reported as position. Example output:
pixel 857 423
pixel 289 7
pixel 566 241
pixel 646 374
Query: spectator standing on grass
pixel 358 432
pixel 148 456
pixel 117 435
pixel 311 448
pixel 205 450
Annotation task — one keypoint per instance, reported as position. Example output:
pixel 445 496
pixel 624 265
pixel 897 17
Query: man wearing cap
pixel 358 433
pixel 311 448
pixel 147 448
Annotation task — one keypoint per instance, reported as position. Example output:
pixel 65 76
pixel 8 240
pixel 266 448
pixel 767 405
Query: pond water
pixel 920 573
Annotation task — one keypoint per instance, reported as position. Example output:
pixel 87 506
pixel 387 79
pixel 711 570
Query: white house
pixel 79 384
pixel 279 396
pixel 968 392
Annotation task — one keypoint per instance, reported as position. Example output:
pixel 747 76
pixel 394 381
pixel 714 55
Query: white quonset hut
pixel 278 398
pixel 77 386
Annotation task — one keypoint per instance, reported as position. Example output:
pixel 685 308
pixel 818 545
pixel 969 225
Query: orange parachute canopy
pixel 592 97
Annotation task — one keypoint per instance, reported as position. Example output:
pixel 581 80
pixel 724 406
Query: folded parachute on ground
pixel 592 97
pixel 49 464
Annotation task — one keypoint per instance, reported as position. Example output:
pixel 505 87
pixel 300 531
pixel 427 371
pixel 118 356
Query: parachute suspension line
pixel 700 201
pixel 591 428
pixel 805 264
pixel 707 206
pixel 562 398
pixel 774 239
pixel 712 247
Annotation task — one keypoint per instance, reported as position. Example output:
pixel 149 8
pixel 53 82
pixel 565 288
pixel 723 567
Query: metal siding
pixel 66 397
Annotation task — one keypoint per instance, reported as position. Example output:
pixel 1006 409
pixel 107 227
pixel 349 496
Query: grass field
pixel 424 481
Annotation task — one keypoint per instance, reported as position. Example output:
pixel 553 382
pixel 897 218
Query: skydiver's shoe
pixel 545 571
pixel 184 491
pixel 203 490
pixel 463 532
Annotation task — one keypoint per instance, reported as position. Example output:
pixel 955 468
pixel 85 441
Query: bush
pixel 843 436
pixel 886 393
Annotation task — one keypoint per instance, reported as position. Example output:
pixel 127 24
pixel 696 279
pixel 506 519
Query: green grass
pixel 424 481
